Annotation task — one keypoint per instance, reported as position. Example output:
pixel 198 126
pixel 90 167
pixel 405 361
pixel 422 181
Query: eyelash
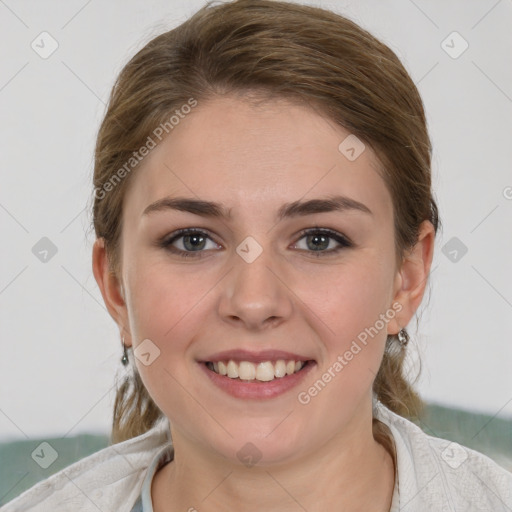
pixel 344 242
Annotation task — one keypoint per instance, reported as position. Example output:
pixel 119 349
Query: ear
pixel 111 289
pixel 411 278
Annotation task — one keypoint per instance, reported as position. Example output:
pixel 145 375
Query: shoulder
pixel 109 479
pixel 438 473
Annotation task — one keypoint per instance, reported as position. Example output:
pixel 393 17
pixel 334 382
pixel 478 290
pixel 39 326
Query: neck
pixel 351 471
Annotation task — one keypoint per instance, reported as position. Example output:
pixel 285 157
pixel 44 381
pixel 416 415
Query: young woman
pixel 265 229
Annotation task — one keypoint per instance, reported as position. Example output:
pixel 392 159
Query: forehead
pixel 256 157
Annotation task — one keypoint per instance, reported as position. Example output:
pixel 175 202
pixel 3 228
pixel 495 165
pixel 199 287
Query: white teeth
pixel 264 371
pixel 246 370
pixel 232 370
pixel 280 368
pixel 223 370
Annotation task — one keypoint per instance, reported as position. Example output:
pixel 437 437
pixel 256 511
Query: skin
pixel 253 158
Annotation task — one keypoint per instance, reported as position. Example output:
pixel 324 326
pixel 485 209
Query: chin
pixel 259 448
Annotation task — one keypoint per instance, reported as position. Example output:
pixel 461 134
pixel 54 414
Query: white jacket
pixel 434 475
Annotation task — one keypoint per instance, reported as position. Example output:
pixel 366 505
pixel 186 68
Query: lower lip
pixel 257 389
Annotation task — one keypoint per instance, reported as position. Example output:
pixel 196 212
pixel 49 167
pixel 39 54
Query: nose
pixel 255 295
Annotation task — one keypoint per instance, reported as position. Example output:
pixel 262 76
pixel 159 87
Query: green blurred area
pixel 489 435
pixel 19 471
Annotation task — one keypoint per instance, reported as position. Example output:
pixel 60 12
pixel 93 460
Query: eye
pixel 191 241
pixel 318 240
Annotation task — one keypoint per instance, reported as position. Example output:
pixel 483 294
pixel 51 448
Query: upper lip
pixel 254 357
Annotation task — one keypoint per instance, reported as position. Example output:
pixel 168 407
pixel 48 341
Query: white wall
pixel 59 349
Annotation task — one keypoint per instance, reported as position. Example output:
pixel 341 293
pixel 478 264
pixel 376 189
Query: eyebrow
pixel 288 210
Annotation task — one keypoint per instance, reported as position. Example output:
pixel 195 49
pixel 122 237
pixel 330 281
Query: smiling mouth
pixel 265 371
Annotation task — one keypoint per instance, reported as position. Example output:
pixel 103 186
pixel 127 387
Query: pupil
pixel 195 239
pixel 316 238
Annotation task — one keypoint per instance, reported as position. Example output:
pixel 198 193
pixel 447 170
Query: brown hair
pixel 279 50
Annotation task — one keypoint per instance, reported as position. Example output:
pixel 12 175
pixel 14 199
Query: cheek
pixel 162 301
pixel 167 306
pixel 348 298
pixel 162 309
pixel 353 343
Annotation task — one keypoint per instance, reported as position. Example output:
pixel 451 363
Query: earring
pixel 124 359
pixel 403 337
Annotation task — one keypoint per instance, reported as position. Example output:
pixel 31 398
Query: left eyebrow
pixel 294 209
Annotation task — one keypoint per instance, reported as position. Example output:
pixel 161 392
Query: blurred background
pixel 60 350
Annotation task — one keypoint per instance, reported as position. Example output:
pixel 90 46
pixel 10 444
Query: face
pixel 255 286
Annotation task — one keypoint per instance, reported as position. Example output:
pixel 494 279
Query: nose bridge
pixel 254 293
